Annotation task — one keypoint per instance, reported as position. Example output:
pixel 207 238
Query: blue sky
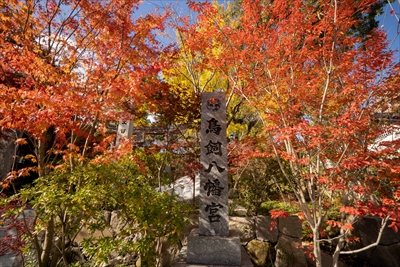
pixel 179 6
pixel 389 21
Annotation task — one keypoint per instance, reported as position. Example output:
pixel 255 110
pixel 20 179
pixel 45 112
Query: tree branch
pixel 383 224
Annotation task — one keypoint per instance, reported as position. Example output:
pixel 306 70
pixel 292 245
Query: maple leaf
pixel 21 141
pixel 347 226
pixel 278 213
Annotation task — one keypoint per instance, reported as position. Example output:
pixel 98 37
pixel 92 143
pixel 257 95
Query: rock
pixel 85 233
pixel 213 250
pixel 383 256
pixel 193 223
pixel 183 187
pixel 7 150
pixel 243 228
pixel 367 229
pixel 108 231
pixel 75 255
pixel 29 216
pixel 118 260
pixel 290 226
pixel 386 253
pixel 332 231
pixel 169 253
pixel 261 253
pixel 237 210
pixel 262 229
pixel 116 222
pixel 139 262
pixel 289 252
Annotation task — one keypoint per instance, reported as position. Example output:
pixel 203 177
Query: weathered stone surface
pixel 262 229
pixel 75 255
pixel 383 256
pixel 116 222
pixel 239 211
pixel 108 231
pixel 124 130
pixel 261 253
pixel 380 256
pixel 290 226
pixel 181 260
pixel 367 229
pixel 242 227
pixel 10 260
pixel 213 250
pixel 386 253
pixel 193 223
pixel 183 187
pixel 7 150
pixel 289 252
pixel 213 219
pixel 168 253
pixel 85 233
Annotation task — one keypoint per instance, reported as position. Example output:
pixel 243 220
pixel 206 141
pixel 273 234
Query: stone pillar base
pixel 213 250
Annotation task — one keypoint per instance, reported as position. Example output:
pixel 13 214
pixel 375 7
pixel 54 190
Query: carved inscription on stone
pixel 214 177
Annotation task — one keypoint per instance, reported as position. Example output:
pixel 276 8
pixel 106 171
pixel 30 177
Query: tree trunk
pixel 48 244
pixel 194 191
pixel 339 246
pixel 56 254
pixel 342 238
pixel 41 153
pixel 317 248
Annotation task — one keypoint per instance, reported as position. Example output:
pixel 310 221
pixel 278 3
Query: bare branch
pixel 383 225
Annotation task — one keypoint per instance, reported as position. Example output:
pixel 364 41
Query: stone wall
pixel 274 242
pixel 387 253
pixel 281 246
pixel 7 151
pixel 277 246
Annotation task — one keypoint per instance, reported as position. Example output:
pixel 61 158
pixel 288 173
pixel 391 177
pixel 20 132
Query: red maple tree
pixel 317 87
pixel 68 67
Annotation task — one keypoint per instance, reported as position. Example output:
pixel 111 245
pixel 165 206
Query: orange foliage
pixel 69 66
pixel 316 86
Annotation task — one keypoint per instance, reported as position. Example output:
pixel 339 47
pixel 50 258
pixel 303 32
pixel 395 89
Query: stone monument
pixel 125 128
pixel 210 244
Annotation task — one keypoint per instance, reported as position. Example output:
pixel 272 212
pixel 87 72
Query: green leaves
pixel 66 202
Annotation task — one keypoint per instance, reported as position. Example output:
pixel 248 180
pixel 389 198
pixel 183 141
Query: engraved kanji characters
pixel 213 127
pixel 211 165
pixel 212 210
pixel 214 163
pixel 213 188
pixel 214 148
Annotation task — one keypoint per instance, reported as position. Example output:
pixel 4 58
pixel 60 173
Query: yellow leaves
pixel 4 18
pixel 31 157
